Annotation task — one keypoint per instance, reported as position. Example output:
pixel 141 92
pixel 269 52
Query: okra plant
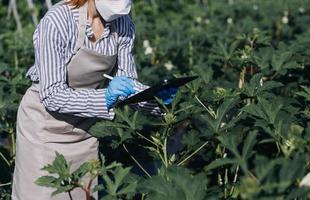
pixel 240 131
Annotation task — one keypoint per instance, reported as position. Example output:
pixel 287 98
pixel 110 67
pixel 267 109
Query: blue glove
pixel 167 95
pixel 118 87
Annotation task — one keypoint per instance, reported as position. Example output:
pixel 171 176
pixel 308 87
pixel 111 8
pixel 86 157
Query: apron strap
pixel 81 26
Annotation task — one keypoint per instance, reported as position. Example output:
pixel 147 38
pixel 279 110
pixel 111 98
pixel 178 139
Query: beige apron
pixel 40 132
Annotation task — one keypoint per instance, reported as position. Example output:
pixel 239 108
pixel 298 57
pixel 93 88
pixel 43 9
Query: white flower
pixel 198 19
pixel 207 21
pixel 261 82
pixel 244 56
pixel 148 50
pixel 222 124
pixel 146 44
pixel 229 20
pixel 168 65
pixel 231 2
pixel 301 10
pixel 305 181
pixel 285 20
pixel 255 7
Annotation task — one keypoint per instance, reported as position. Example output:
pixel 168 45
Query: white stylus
pixel 108 76
pixel 120 98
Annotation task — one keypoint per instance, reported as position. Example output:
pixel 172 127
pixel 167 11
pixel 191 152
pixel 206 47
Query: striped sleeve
pixel 32 74
pixel 55 94
pixel 126 63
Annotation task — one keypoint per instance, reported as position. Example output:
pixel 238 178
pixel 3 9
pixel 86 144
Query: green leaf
pixel 305 93
pixel 191 138
pixel 249 143
pixel 267 110
pixel 81 171
pixel 119 175
pixel 103 129
pixel 46 181
pixel 118 184
pixel 60 164
pixel 205 73
pixel 229 141
pixel 216 122
pixel 50 169
pixel 219 163
pixel 175 183
pixel 256 87
pixel 62 190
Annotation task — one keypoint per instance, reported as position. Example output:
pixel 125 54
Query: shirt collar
pixel 90 32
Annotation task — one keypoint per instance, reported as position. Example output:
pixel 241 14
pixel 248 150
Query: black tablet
pixel 149 93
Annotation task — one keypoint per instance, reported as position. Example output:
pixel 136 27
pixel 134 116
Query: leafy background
pixel 241 131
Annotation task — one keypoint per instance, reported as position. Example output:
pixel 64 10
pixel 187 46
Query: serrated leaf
pixel 175 184
pixel 229 141
pixel 190 139
pixel 118 185
pixel 219 163
pixel 60 164
pixel 216 122
pixel 103 129
pixel 46 181
pixel 81 171
pixel 249 143
pixel 50 169
pixel 305 93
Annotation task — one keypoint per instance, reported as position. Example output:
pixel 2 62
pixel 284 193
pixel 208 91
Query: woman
pixel 75 43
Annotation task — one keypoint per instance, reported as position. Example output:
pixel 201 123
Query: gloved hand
pixel 118 86
pixel 167 95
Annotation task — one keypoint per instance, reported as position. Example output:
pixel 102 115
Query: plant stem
pixel 5 184
pixel 146 138
pixel 200 102
pixel 33 12
pixel 90 184
pixel 191 155
pixel 183 109
pixel 164 149
pixel 253 176
pixel 225 182
pixel 139 165
pixel 87 193
pixel 160 156
pixel 15 60
pixel 13 144
pixel 70 196
pixel 242 77
pixel 7 162
pixel 211 112
pixel 234 181
pixel 13 5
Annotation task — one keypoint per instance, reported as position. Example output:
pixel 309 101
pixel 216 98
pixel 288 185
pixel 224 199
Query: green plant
pixel 116 179
pixel 241 131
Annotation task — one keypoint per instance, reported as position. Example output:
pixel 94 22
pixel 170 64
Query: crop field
pixel 239 131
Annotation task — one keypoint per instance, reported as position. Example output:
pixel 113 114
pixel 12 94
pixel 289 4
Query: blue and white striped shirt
pixel 54 41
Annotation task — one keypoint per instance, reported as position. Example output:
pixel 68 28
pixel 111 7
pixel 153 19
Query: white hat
pixel 112 9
